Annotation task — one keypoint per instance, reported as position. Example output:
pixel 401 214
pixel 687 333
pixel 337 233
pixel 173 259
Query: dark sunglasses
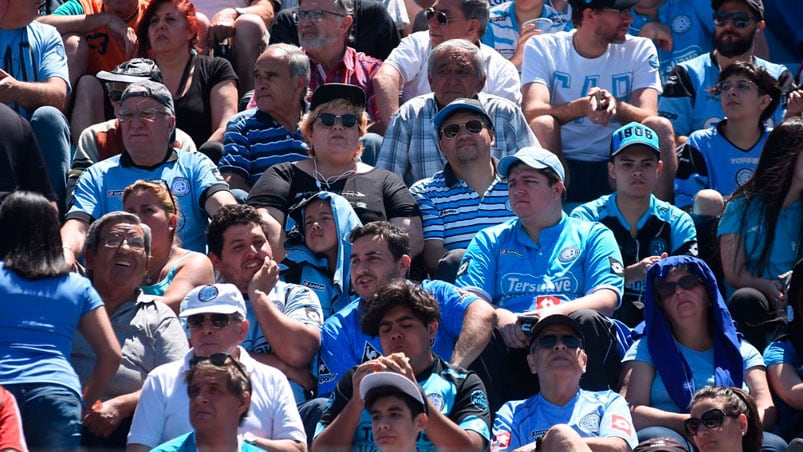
pixel 166 186
pixel 550 340
pixel 740 20
pixel 450 131
pixel 443 19
pixel 219 360
pixel 712 418
pixel 218 321
pixel 739 85
pixel 115 95
pixel 687 282
pixel 347 121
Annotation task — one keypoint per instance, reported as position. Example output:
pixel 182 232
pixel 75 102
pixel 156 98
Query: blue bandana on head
pixel 669 361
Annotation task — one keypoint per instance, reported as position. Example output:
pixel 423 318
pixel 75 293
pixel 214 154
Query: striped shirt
pixel 254 142
pixel 503 27
pixel 453 212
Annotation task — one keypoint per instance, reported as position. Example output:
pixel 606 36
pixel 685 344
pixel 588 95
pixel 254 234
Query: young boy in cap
pixel 646 228
pixel 398 410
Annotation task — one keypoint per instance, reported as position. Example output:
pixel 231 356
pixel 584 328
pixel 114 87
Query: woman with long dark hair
pixel 760 234
pixel 724 420
pixel 42 306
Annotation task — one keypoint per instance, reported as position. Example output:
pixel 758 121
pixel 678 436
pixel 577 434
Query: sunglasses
pixel 687 282
pixel 740 20
pixel 550 340
pixel 443 19
pixel 219 360
pixel 474 126
pixel 149 114
pixel 166 186
pixel 740 86
pixel 116 240
pixel 218 321
pixel 329 119
pixel 712 418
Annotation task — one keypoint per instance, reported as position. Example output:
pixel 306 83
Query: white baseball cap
pixel 395 380
pixel 213 299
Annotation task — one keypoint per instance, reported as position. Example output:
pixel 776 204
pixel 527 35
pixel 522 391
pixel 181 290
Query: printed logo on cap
pixel 207 294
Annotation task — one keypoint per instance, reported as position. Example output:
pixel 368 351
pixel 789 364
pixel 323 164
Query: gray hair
pixel 93 235
pixel 477 9
pixel 341 6
pixel 453 45
pixel 297 61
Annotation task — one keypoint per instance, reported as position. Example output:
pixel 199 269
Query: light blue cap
pixel 534 157
pixel 634 133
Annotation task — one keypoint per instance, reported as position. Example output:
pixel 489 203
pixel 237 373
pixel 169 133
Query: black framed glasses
pixel 712 418
pixel 621 12
pixel 219 360
pixel 441 16
pixel 474 126
pixel 740 86
pixel 218 321
pixel 687 282
pixel 550 340
pixel 315 15
pixel 739 20
pixel 149 114
pixel 116 240
pixel 328 120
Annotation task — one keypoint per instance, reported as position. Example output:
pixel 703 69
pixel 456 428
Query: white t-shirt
pixel 550 59
pixel 163 411
pixel 410 59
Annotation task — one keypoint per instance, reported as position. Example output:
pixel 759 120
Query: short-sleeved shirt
pixel 453 213
pixel 194 108
pixel 701 364
pixel 294 301
pixel 22 161
pixel 33 53
pixel 162 412
pixel 410 59
pixel 355 68
pixel 688 104
pixel 254 142
pixel 592 414
pixel 187 443
pixel 149 334
pixel 783 352
pixel 192 178
pixel 410 147
pixel 710 160
pixel 457 393
pixel 552 61
pixel 375 195
pixel 662 229
pixel 344 345
pixel 503 30
pixel 104 51
pixel 572 259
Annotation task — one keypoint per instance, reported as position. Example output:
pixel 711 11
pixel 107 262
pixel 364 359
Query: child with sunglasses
pixel 689 342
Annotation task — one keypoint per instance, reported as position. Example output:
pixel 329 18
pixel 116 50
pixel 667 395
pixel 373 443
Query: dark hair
pixel 380 392
pixel 794 297
pixel 30 243
pixel 764 192
pixel 399 293
pixel 185 7
pixel 477 9
pixel 736 402
pixel 226 217
pixel 766 84
pixel 397 240
pixel 236 381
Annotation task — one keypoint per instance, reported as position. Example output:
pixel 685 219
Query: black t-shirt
pixel 375 195
pixel 194 108
pixel 21 163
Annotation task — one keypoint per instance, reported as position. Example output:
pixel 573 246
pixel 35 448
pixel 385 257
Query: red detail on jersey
pixel 501 441
pixel 621 423
pixel 546 301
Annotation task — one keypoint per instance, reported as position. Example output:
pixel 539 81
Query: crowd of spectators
pixel 399 225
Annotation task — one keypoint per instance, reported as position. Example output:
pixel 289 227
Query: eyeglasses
pixel 474 126
pixel 218 321
pixel 550 340
pixel 116 240
pixel 621 12
pixel 740 20
pixel 347 121
pixel 687 282
pixel 443 19
pixel 219 360
pixel 315 15
pixel 149 114
pixel 712 418
pixel 741 86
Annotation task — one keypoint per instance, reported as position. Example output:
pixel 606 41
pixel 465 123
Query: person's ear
pixel 244 403
pixel 346 23
pixel 611 173
pixel 532 362
pixel 583 360
pixel 432 329
pixel 404 266
pixel 244 330
pixel 421 421
pixel 172 222
pixel 743 424
pixel 660 167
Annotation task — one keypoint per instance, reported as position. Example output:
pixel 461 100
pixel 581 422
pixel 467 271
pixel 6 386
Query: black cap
pixel 599 4
pixel 556 319
pixel 331 91
pixel 756 5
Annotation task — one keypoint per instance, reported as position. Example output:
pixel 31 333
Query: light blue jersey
pixel 503 27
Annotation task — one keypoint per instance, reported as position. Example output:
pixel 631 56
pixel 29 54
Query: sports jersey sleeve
pixel 676 102
pixel 148 421
pixel 87 196
pixel 477 271
pixel 537 61
pixel 781 352
pixel 302 304
pixel 470 410
pixel 208 178
pixel 337 401
pixel 603 268
pixel 336 356
pixel 453 304
pixel 684 234
pixel 505 434
pixel 433 222
pixel 54 60
pixel 70 8
pixel 750 356
pixel 646 72
pixel 692 173
pixel 731 218
pixel 617 422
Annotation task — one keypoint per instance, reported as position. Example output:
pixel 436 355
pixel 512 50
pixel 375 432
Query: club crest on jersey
pixel 569 254
pixel 616 267
pixel 590 423
pixel 324 374
pixel 657 246
pixel 681 23
pixel 370 352
pixel 479 400
pixel 437 401
pixel 463 266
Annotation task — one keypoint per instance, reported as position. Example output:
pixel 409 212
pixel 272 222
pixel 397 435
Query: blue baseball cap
pixel 458 105
pixel 634 133
pixel 534 157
